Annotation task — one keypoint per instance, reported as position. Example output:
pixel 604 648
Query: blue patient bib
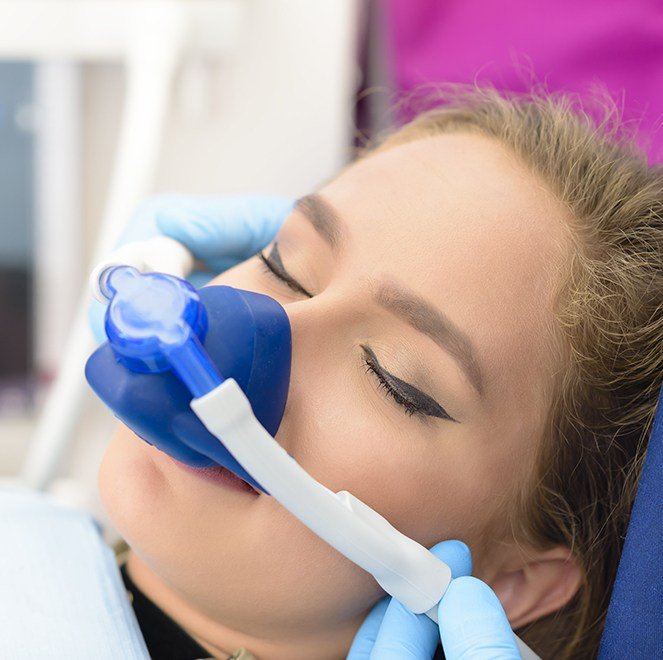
pixel 61 592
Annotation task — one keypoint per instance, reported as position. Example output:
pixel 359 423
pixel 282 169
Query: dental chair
pixel 634 626
pixel 63 596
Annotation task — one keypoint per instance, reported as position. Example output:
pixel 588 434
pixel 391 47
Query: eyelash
pixel 271 269
pixel 409 407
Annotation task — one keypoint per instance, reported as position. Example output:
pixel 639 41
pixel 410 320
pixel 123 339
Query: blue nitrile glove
pixel 220 231
pixel 472 623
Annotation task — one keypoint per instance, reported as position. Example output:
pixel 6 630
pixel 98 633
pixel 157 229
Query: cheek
pixel 149 508
pixel 162 513
pixel 235 561
pixel 429 488
pixel 130 482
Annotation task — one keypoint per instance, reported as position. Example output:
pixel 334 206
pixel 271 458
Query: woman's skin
pixel 417 252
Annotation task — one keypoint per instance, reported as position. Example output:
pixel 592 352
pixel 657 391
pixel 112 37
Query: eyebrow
pixel 425 318
pixel 323 217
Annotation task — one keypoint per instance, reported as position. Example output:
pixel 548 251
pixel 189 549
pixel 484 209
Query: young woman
pixel 475 308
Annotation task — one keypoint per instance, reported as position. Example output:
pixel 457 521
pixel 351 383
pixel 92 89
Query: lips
pixel 220 476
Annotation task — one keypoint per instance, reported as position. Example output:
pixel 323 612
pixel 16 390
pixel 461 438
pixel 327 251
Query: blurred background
pixel 104 102
pixel 220 96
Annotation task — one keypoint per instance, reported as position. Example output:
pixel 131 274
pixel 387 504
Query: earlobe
pixel 543 583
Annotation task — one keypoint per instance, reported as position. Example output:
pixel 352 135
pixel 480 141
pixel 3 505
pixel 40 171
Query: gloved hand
pixel 471 622
pixel 220 232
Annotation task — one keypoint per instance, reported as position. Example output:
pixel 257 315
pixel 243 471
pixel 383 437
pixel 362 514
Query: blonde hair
pixel 609 319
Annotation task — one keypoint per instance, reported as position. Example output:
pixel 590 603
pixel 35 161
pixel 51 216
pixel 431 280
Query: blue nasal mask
pixel 158 326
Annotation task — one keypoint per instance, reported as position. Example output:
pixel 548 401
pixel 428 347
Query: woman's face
pixel 431 269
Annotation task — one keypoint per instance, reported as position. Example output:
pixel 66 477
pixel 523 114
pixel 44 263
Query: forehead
pixel 448 187
pixel 458 219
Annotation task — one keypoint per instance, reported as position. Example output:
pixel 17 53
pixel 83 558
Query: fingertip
pixel 196 233
pixel 456 555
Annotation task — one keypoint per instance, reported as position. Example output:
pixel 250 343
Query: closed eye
pixel 412 400
pixel 274 265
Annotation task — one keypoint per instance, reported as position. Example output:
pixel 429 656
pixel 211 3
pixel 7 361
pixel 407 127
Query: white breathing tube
pixel 402 567
pixel 405 569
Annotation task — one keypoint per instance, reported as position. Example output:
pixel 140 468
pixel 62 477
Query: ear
pixel 542 583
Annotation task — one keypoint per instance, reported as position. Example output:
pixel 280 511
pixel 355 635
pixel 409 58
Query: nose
pixel 320 331
pixel 314 321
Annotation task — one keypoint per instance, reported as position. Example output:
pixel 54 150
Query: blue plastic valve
pixel 156 322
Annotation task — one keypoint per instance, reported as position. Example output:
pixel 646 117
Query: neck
pixel 222 642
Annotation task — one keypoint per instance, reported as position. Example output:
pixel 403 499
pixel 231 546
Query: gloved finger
pixel 405 635
pixel 456 555
pixel 473 624
pixel 213 227
pixel 365 637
